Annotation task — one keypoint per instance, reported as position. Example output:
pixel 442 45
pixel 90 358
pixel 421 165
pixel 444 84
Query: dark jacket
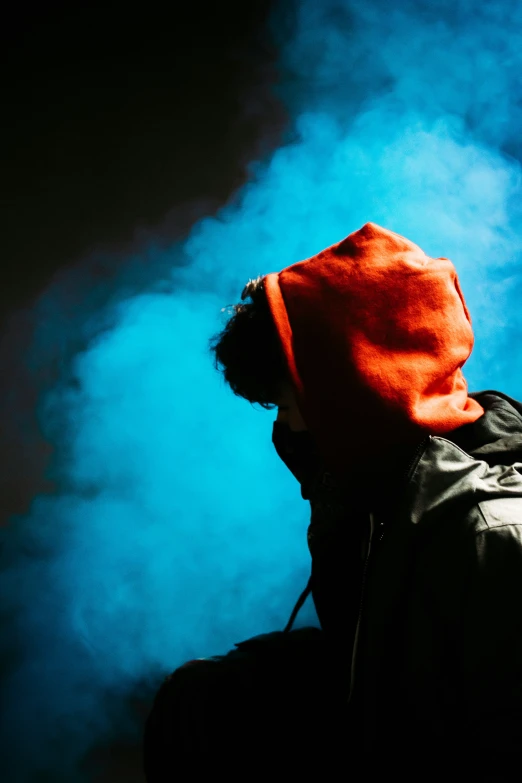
pixel 427 623
pixel 436 674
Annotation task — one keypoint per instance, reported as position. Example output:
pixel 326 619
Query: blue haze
pixel 175 530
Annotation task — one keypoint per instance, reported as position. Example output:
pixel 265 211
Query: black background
pixel 118 119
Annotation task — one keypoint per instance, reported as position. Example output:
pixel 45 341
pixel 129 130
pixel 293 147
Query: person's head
pixel 370 333
pixel 248 354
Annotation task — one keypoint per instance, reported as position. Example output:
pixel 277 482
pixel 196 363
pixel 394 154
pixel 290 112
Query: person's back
pixel 415 536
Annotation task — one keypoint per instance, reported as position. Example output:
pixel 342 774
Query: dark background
pixel 120 121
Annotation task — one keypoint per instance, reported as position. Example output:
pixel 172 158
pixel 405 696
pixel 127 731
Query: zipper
pixel 363 583
pixel 415 459
pixel 406 477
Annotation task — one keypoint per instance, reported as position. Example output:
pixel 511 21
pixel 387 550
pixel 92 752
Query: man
pixel 415 489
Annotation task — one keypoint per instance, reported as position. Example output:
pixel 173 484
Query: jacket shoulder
pixel 499 512
pixel 448 483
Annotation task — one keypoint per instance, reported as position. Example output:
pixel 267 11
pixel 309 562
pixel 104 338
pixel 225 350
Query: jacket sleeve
pixel 490 656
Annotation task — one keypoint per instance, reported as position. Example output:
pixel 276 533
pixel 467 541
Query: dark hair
pixel 248 352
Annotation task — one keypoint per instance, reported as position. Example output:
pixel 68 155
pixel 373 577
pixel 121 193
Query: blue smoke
pixel 174 529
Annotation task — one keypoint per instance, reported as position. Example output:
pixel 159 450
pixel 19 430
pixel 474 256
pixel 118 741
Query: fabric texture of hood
pixel 375 334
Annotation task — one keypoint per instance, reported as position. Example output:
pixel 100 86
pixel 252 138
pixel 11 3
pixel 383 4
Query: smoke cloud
pixel 174 529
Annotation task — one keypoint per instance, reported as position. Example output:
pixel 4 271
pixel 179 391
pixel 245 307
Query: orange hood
pixel 375 334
